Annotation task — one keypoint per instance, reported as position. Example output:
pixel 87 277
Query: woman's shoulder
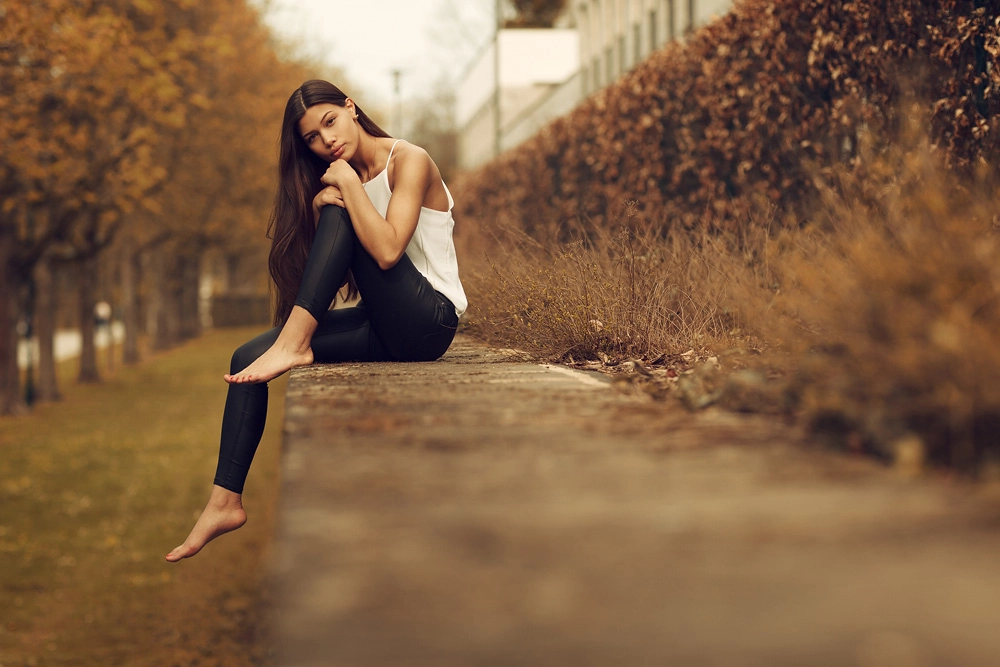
pixel 407 152
pixel 412 159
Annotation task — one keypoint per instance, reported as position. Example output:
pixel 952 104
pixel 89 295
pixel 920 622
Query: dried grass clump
pixel 611 294
pixel 890 307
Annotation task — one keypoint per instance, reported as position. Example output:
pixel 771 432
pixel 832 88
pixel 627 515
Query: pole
pixel 497 137
pixel 396 75
pixel 29 335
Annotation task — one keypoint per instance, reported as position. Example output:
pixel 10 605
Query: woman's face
pixel 330 131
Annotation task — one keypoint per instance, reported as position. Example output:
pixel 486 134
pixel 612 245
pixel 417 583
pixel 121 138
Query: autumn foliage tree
pixel 129 125
pixel 71 153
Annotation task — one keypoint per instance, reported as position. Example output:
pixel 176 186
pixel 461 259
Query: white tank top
pixel 432 248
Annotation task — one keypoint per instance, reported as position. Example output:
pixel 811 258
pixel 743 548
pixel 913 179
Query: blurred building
pixel 524 78
pixel 533 66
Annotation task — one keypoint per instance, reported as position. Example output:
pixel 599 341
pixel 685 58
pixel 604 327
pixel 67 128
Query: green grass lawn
pixel 96 489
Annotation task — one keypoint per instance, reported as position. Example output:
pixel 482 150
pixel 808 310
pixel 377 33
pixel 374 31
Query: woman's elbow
pixel 388 260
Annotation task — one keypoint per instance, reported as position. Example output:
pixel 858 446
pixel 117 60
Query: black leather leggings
pixel 400 318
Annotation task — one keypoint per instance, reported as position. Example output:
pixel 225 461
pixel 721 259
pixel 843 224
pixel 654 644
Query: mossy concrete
pixel 486 510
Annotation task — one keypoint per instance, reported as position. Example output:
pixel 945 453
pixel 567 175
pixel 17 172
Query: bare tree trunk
pixel 173 300
pixel 159 301
pixel 85 278
pixel 130 303
pixel 189 288
pixel 45 330
pixel 10 398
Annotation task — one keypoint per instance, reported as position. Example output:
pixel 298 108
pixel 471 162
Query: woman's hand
pixel 339 173
pixel 328 195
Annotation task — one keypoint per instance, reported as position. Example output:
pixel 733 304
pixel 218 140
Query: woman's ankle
pixel 223 498
pixel 297 332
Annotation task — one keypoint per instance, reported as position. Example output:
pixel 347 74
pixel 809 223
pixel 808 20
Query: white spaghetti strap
pixel 390 152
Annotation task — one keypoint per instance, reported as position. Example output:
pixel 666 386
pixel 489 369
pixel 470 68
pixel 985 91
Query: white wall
pixel 528 57
pixel 557 101
pixel 476 87
pixel 709 10
pixel 538 56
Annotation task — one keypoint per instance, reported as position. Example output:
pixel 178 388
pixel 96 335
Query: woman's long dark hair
pixel 291 227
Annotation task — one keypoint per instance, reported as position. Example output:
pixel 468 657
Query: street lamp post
pixel 398 112
pixel 497 25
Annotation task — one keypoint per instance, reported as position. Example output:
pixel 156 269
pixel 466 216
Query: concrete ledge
pixel 482 510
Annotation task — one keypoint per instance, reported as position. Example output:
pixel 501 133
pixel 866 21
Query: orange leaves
pixel 200 101
pixel 144 6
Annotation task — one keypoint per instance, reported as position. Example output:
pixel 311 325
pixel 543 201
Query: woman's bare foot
pixel 292 348
pixel 224 513
pixel 271 364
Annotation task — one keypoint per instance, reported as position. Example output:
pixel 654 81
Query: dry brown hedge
pixel 748 110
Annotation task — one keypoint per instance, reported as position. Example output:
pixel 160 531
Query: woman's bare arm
pixel 386 239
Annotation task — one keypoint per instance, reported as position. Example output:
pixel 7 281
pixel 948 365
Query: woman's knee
pixel 335 223
pixel 248 352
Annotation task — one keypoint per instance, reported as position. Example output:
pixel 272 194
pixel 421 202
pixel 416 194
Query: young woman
pixel 354 207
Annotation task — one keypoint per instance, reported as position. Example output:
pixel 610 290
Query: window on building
pixel 690 24
pixel 609 64
pixel 596 69
pixel 585 41
pixel 636 42
pixel 671 21
pixel 622 61
pixel 653 43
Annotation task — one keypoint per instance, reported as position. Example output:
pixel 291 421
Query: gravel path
pixel 483 510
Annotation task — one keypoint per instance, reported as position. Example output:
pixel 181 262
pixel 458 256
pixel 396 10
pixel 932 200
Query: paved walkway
pixel 481 510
